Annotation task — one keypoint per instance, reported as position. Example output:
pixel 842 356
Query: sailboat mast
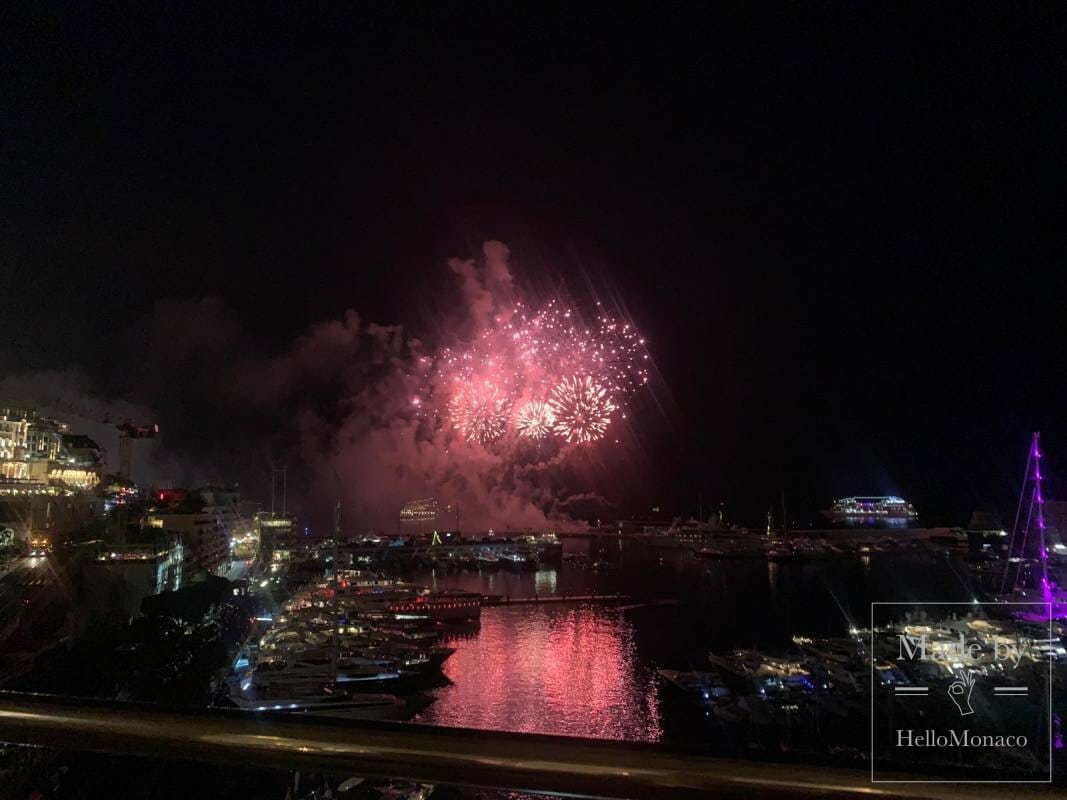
pixel 336 588
pixel 1035 512
pixel 1046 589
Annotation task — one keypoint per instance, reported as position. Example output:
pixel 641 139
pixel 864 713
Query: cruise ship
pixel 889 507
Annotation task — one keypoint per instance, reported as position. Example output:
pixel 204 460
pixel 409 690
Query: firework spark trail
pixel 535 420
pixel 527 354
pixel 582 409
pixel 535 349
pixel 480 411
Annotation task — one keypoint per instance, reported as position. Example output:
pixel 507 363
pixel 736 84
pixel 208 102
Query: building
pixel 124 575
pixel 276 537
pixel 28 443
pixel 419 516
pixel 205 542
pixel 14 433
pixel 38 510
pixel 48 476
pixel 211 521
pixel 79 463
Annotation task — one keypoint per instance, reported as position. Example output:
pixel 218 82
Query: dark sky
pixel 841 227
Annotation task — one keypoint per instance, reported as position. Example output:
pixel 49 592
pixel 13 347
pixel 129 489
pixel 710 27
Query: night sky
pixel 840 227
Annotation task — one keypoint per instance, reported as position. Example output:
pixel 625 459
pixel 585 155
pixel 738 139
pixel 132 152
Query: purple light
pixel 1046 590
pixel 1037 502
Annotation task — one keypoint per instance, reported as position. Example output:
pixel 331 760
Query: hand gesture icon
pixel 959 692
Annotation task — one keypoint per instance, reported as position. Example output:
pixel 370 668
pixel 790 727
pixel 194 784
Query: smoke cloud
pixel 338 407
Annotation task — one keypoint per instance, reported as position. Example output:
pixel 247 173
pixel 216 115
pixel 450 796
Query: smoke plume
pixel 339 407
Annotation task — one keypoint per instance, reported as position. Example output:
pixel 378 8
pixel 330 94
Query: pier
pixel 505 600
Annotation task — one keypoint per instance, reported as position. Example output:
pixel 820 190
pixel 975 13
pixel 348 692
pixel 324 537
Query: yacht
pixel 767 674
pixel 517 561
pixel 312 699
pixel 841 650
pixel 889 675
pixel 356 673
pixel 699 687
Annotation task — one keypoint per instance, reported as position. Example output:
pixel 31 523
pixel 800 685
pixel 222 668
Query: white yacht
pixel 322 667
pixel 350 706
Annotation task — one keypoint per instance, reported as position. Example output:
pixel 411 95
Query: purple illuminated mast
pixel 1035 513
pixel 1039 501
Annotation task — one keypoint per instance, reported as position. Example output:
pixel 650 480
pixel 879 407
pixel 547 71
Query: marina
pixel 653 644
pixel 437 402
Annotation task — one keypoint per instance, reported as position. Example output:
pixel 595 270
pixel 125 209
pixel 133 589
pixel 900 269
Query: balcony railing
pixel 450 756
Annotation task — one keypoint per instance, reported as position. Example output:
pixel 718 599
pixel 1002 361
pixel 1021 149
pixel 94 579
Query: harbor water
pixel 589 669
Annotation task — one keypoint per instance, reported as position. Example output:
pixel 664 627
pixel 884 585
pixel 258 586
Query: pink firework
pixel 535 420
pixel 534 350
pixel 530 352
pixel 479 411
pixel 582 409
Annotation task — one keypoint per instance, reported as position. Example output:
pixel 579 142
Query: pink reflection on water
pixel 565 669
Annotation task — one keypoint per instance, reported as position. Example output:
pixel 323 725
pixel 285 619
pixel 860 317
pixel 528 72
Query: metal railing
pixel 451 756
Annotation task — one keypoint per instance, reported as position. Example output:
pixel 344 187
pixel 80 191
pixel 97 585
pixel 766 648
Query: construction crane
pixel 128 431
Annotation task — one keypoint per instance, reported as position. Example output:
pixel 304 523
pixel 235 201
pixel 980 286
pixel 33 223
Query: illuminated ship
pixel 419 516
pixel 871 508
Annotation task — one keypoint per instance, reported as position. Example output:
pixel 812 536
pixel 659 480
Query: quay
pixel 506 600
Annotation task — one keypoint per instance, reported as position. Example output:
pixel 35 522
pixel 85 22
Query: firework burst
pixel 582 409
pixel 479 411
pixel 535 420
pixel 529 352
pixel 544 355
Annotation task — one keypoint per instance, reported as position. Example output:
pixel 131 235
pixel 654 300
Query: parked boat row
pixel 360 645
pixel 749 686
pixel 587 562
pixel 837 676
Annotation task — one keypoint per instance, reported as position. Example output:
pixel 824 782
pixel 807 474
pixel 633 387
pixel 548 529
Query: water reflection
pixel 772 575
pixel 545 581
pixel 589 670
pixel 563 670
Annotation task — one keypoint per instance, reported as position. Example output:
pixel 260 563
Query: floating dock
pixel 506 600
